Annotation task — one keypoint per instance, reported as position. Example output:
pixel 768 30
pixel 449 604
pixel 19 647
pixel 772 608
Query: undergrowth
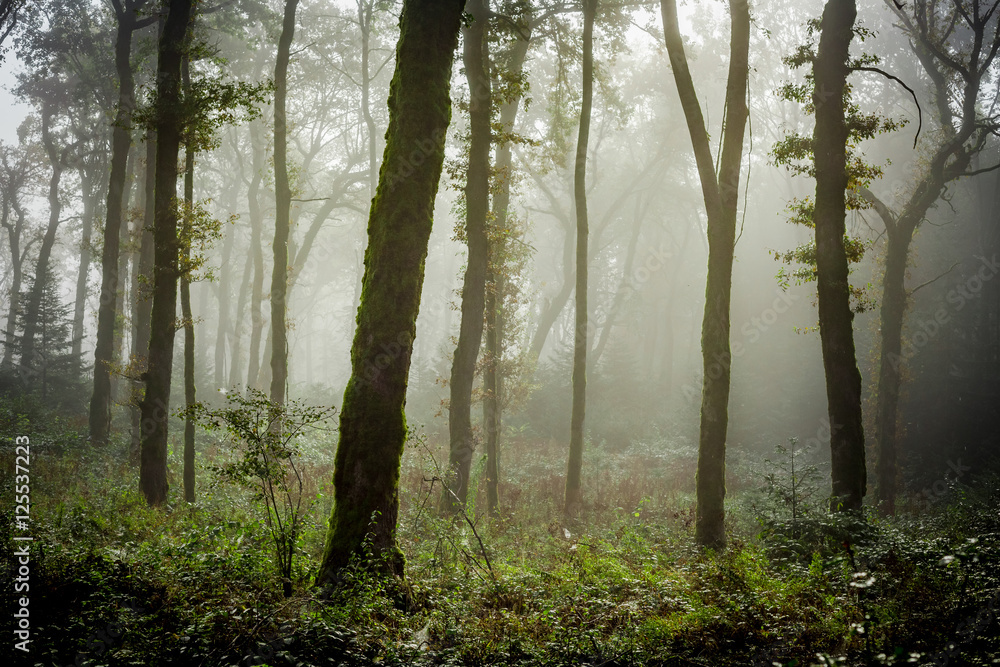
pixel 116 583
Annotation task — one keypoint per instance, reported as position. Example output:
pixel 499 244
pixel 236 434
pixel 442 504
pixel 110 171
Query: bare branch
pixel 920 113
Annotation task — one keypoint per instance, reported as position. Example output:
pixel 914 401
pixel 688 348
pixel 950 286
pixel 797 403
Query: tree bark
pixel 581 340
pixel 155 407
pixel 492 377
pixel 257 253
pixel 721 194
pixel 372 424
pixel 88 192
pixel 186 316
pixel 142 302
pixel 283 206
pixel 843 380
pixel 121 142
pixel 477 195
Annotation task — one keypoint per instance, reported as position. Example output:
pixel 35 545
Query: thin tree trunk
pixel 88 192
pixel 236 331
pixel 155 408
pixel 477 195
pixel 142 302
pixel 892 312
pixel 581 340
pixel 283 205
pixel 14 231
pixel 224 323
pixel 121 294
pixel 257 253
pixel 372 424
pixel 495 343
pixel 121 142
pixel 186 315
pixel 843 380
pixel 721 194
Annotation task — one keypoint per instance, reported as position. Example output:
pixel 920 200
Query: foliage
pixel 263 437
pixel 795 153
pixel 119 583
pixel 55 375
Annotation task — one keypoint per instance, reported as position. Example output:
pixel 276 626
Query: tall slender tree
pixel 477 202
pixel 721 194
pixel 169 121
pixel 372 423
pixel 581 340
pixel 830 135
pixel 962 105
pixel 283 206
pixel 126 13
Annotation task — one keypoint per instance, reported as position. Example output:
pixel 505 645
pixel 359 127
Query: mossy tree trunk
pixel 121 143
pixel 573 501
pixel 283 206
pixel 155 407
pixel 721 194
pixel 372 424
pixel 477 195
pixel 843 380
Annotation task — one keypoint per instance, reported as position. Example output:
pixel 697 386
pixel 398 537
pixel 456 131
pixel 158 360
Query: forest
pixel 603 333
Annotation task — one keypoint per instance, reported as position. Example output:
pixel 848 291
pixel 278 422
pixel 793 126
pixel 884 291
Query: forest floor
pixel 113 582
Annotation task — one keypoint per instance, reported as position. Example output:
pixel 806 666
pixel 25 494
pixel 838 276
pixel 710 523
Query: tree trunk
pixel 843 380
pixel 892 311
pixel 224 323
pixel 155 408
pixel 28 361
pixel 186 315
pixel 121 294
pixel 257 252
pixel 477 195
pixel 142 302
pixel 581 340
pixel 121 142
pixel 283 206
pixel 495 344
pixel 88 192
pixel 721 194
pixel 372 424
pixel 14 231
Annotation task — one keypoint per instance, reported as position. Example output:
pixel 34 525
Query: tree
pixel 721 193
pixel 581 340
pixel 19 167
pixel 58 159
pixel 957 76
pixel 169 122
pixel 126 14
pixel 843 380
pixel 283 204
pixel 477 202
pixel 58 372
pixel 372 424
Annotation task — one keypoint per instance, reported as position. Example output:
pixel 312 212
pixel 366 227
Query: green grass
pixel 119 583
